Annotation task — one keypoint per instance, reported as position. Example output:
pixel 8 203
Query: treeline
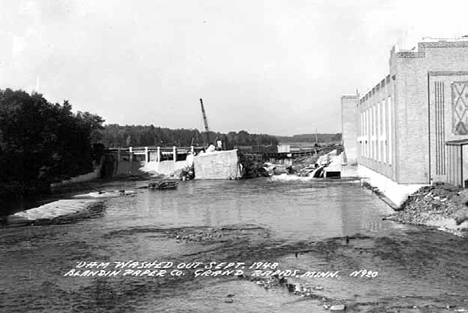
pixel 41 142
pixel 114 135
pixel 310 138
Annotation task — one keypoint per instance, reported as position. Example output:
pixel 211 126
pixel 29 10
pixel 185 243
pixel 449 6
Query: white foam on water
pixel 106 194
pixel 286 177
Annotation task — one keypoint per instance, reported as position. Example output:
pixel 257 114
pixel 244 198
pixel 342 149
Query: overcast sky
pixel 265 66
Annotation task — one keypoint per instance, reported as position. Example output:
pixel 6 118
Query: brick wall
pixel 404 122
pixel 418 133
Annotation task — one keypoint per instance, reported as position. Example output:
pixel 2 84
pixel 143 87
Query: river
pixel 293 226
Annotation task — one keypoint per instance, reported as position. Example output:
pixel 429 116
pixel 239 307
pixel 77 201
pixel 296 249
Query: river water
pixel 290 225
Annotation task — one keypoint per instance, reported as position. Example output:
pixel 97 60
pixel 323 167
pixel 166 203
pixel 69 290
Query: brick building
pixel 412 127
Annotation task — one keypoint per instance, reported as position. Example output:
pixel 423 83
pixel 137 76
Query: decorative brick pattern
pixel 440 128
pixel 460 108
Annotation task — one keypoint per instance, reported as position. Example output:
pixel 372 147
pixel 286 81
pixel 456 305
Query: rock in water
pixel 338 307
pixel 461 215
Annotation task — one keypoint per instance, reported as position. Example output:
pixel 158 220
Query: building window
pixel 390 131
pixel 372 132
pixel 367 132
pixel 361 123
pixel 384 129
pixel 377 137
pixel 366 123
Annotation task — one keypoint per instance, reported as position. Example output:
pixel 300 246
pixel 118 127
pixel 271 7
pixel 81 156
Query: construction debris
pixel 162 185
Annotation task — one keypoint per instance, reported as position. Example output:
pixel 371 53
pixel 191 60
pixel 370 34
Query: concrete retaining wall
pixel 217 165
pixel 397 193
pixel 165 167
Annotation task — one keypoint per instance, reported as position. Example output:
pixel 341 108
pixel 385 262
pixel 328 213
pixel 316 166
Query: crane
pixel 205 121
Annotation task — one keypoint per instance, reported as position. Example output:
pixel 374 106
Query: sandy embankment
pixel 443 206
pixel 80 205
pixel 51 211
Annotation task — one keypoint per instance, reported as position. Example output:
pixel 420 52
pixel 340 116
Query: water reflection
pixel 291 210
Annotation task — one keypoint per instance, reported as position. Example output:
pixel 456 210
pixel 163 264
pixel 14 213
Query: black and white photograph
pixel 233 156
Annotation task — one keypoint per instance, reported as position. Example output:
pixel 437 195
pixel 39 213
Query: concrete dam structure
pixel 171 161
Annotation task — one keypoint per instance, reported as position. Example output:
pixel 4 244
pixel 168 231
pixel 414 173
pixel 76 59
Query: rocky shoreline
pixel 442 205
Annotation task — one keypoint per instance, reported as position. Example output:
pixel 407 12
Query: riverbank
pixel 442 206
pixel 67 204
pixel 56 212
pixel 304 226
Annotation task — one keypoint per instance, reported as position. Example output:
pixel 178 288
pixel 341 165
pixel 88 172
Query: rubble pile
pixel 195 236
pixel 308 170
pixel 305 164
pixel 308 166
pixel 434 206
pixel 304 291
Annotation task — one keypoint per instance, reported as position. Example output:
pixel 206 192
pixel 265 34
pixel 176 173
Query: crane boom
pixel 205 121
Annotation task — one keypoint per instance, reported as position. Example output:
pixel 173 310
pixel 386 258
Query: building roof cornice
pixel 430 43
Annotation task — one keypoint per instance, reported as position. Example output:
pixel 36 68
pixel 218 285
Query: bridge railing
pixel 153 153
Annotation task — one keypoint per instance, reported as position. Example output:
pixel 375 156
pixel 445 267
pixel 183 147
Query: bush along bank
pixel 441 205
pixel 42 143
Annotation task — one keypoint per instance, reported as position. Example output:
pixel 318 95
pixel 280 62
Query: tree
pixel 336 137
pixel 42 142
pixel 124 136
